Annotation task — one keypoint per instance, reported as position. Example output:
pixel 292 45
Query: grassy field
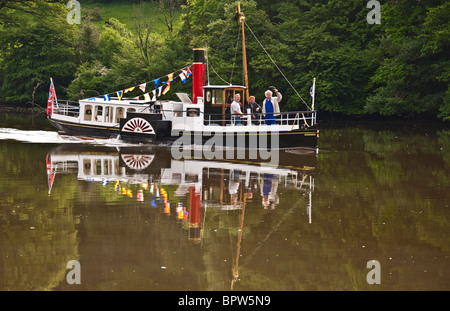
pixel 127 12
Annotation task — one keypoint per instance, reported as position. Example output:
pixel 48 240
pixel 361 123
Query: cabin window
pixel 88 113
pixel 87 166
pixel 98 167
pixel 108 114
pixel 193 112
pixel 117 170
pixel 191 178
pixel 98 113
pixel 119 114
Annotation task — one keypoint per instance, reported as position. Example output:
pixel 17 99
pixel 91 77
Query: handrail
pixel 283 118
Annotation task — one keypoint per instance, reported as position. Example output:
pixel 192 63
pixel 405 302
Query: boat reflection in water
pixel 222 184
pixel 194 192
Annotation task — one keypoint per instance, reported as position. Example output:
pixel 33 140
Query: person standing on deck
pixel 271 109
pixel 255 110
pixel 235 110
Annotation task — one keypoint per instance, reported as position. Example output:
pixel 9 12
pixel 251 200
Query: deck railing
pixel 66 108
pixel 303 119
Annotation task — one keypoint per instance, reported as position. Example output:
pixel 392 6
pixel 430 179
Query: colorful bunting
pixel 188 69
pixel 166 89
pixel 119 95
pixel 157 82
pixel 169 79
pixel 182 77
pixel 161 87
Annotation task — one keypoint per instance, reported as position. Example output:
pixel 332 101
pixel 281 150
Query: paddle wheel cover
pixel 137 125
pixel 137 161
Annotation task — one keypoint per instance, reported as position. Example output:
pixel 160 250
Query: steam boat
pixel 202 119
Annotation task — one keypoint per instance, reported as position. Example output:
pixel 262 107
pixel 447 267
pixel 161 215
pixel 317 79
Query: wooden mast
pixel 242 19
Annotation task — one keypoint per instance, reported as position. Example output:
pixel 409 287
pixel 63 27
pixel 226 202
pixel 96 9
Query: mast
pixel 242 20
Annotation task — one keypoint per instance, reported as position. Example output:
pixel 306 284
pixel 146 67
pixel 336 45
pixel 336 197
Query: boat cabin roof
pixel 223 87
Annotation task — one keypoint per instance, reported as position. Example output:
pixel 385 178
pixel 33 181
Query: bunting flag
pixel 157 82
pixel 159 91
pixel 147 96
pixel 136 98
pixel 154 95
pixel 92 98
pixel 182 77
pixel 169 79
pixel 129 89
pixel 166 89
pixel 189 73
pixel 119 95
pixel 142 87
pixel 106 97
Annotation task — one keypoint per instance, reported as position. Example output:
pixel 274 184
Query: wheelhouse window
pixel 214 97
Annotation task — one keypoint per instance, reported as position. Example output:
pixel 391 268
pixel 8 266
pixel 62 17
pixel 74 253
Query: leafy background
pixel 398 68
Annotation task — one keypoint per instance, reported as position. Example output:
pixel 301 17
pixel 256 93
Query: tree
pixel 33 48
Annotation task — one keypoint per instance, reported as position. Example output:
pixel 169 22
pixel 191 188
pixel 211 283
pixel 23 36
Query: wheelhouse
pixel 218 98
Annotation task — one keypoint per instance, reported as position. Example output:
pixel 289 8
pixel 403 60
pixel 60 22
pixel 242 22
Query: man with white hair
pixel 271 109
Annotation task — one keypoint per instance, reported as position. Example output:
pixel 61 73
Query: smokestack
pixel 198 74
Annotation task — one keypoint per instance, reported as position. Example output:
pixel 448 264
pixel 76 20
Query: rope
pixel 219 75
pixel 276 65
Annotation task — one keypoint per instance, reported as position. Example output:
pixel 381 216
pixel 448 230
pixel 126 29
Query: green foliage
pixel 34 48
pixel 400 67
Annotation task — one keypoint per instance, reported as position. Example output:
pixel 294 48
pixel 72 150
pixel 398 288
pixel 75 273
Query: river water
pixel 136 218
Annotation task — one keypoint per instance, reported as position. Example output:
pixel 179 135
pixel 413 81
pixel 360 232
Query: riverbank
pixel 22 109
pixel 24 117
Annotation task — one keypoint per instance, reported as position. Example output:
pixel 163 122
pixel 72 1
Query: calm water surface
pixel 137 219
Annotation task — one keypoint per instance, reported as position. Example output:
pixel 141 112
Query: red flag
pixel 51 98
